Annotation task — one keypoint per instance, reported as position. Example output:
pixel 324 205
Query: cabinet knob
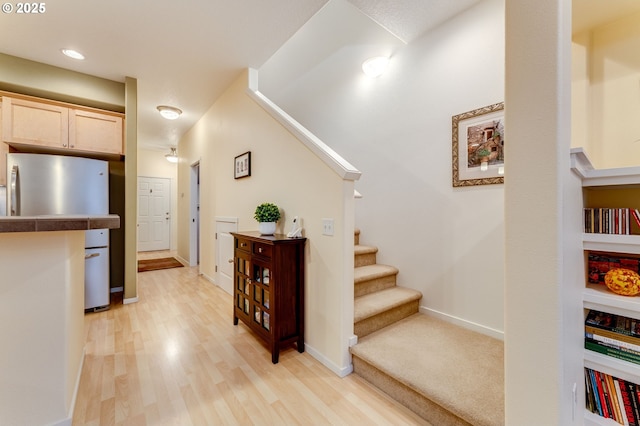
pixel 260 250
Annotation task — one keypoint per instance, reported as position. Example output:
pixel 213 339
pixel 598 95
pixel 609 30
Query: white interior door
pixel 224 250
pixel 154 213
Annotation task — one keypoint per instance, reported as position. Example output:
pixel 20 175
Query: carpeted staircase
pixel 448 375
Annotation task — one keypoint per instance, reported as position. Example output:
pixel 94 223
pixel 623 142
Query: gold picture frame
pixel 478 146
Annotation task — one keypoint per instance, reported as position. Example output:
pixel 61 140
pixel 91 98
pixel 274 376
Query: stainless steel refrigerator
pixel 43 184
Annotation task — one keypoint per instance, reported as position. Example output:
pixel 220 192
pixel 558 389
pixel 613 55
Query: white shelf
pixel 598 297
pixel 591 177
pixel 591 419
pixel 613 366
pixel 629 244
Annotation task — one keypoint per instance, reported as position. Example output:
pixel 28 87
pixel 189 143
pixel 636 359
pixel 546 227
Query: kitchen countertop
pixel 58 223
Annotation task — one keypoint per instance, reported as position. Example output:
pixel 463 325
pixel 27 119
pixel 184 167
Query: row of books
pixel 616 336
pixel 610 220
pixel 612 397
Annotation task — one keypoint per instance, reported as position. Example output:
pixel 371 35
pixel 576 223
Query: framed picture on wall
pixel 242 165
pixel 478 146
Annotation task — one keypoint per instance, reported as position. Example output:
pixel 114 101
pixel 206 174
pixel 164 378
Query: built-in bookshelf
pixel 608 189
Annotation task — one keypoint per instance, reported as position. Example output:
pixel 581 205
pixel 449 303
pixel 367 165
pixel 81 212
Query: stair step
pixel 365 255
pixel 377 310
pixel 375 303
pixel 446 374
pixel 371 278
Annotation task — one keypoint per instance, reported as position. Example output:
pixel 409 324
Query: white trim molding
pixel 341 166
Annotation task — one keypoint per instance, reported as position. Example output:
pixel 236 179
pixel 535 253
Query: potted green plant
pixel 267 214
pixel 483 154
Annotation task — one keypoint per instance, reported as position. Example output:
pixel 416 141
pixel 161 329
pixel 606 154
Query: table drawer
pixel 263 250
pixel 244 245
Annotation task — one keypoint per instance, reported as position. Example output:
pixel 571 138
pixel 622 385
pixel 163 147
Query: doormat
pixel 155 264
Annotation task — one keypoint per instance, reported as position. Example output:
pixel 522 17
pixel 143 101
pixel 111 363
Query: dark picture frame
pixel 478 146
pixel 242 166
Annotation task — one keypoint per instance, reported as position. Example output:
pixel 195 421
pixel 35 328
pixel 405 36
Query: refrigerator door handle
pixel 89 256
pixel 15 191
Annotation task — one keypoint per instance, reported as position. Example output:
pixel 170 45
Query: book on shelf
pixel 612 397
pixel 612 351
pixel 598 264
pixel 612 322
pixel 626 340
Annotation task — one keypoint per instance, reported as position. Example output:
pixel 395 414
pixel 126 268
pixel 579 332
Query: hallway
pixel 175 358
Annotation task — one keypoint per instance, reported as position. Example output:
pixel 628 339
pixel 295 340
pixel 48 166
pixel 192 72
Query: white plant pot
pixel 267 228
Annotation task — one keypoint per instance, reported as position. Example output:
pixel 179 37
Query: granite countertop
pixel 58 223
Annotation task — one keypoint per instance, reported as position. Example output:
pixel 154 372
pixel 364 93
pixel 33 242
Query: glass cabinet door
pixel 261 299
pixel 243 284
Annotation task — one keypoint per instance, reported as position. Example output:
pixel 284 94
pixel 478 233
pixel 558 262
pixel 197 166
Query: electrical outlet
pixel 327 227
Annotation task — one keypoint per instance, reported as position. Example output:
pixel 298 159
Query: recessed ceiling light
pixel 374 67
pixel 73 54
pixel 169 112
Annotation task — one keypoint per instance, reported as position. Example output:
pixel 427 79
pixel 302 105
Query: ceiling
pixel 184 54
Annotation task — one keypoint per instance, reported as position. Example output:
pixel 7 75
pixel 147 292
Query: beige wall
pixel 284 172
pixel 606 105
pixel 152 163
pixel 46 81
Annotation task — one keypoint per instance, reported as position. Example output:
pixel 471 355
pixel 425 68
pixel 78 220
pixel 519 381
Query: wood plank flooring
pixel 175 358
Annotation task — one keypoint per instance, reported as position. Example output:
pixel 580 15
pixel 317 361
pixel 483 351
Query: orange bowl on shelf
pixel 623 281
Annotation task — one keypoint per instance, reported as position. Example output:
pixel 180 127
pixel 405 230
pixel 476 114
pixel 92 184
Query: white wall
pixel 152 163
pixel 544 260
pixel 285 172
pixel 447 243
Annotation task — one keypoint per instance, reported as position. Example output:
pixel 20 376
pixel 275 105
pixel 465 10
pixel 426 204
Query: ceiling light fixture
pixel 169 112
pixel 73 54
pixel 172 157
pixel 374 67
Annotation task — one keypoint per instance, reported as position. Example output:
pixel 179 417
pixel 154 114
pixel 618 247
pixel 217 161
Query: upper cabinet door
pixel 95 132
pixel 34 123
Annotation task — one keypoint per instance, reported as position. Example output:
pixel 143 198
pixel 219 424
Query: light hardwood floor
pixel 175 358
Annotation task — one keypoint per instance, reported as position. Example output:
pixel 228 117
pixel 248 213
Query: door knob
pixel 230 261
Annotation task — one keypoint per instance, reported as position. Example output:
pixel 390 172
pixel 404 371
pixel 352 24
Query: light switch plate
pixel 327 227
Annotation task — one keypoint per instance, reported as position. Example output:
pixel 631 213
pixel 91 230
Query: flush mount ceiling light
pixel 73 54
pixel 374 67
pixel 169 112
pixel 172 157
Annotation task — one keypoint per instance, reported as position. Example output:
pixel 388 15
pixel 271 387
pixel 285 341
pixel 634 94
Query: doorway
pixel 194 231
pixel 224 252
pixel 154 213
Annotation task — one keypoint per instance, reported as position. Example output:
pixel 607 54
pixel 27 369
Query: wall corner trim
pixel 338 164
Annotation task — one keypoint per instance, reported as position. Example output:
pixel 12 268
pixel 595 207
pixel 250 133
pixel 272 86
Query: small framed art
pixel 478 146
pixel 242 165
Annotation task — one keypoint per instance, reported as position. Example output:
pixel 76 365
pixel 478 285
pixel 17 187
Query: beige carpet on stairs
pixel 460 371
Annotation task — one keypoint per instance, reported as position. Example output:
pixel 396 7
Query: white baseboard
pixel 130 300
pixel 69 419
pixel 208 278
pixel 182 260
pixel 340 371
pixel 497 334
